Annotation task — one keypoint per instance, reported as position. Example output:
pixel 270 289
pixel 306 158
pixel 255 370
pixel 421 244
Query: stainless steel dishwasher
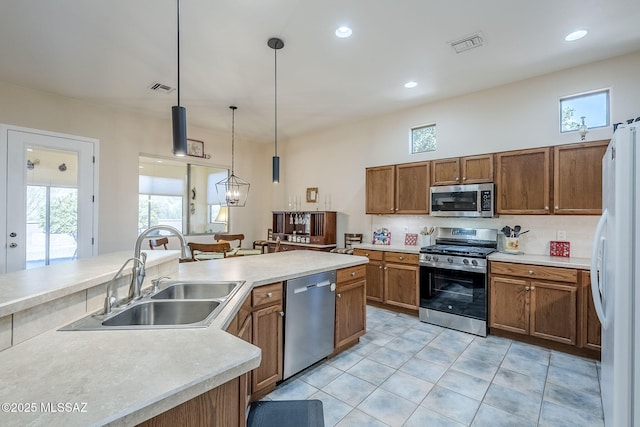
pixel 309 320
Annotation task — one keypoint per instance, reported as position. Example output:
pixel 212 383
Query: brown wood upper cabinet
pixel 412 188
pixel 401 189
pixel 577 178
pixel 523 181
pixel 463 170
pixel 380 190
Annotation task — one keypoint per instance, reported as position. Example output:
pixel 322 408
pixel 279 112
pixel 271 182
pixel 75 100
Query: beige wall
pixel 123 136
pixel 517 115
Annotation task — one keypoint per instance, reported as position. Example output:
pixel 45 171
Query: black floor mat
pixel 286 413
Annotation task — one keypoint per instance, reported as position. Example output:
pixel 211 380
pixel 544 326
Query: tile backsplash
pixel 543 229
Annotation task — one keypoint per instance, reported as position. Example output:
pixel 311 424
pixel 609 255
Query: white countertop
pixel 24 289
pixel 551 261
pixel 125 377
pixel 388 248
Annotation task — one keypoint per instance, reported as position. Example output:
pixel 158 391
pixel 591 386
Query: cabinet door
pixel 380 190
pixel 591 333
pixel 375 280
pixel 577 178
pixel 350 313
pixel 523 181
pixel 401 285
pixel 477 169
pixel 509 305
pixel 412 188
pixel 446 171
pixel 553 312
pixel 267 334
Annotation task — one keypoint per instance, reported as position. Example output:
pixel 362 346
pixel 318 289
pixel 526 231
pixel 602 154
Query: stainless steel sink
pixel 197 290
pixel 164 313
pixel 181 304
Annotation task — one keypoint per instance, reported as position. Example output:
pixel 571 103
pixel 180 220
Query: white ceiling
pixel 111 51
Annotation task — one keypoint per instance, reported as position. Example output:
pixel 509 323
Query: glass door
pixel 49 199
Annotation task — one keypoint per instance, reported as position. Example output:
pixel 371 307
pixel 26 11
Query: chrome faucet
pixel 112 294
pixel 139 269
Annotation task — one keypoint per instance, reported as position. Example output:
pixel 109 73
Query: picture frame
pixel 195 148
pixel 312 195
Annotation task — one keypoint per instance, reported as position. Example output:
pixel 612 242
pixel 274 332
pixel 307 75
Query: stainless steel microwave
pixel 472 201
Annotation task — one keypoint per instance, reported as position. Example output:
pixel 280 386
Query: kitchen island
pixel 125 377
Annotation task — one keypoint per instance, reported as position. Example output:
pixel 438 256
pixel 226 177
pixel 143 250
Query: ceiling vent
pixel 467 43
pixel 159 87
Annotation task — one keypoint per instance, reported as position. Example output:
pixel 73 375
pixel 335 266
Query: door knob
pixel 13 245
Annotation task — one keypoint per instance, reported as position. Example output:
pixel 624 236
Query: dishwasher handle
pixel 305 288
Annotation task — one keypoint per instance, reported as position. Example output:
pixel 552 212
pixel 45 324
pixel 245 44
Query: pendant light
pixel 179 113
pixel 232 191
pixel 275 44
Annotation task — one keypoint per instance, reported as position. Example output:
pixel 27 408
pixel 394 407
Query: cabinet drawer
pixel 345 275
pixel 376 255
pixel 538 272
pixel 267 295
pixel 401 258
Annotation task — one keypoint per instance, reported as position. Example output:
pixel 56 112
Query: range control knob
pixel 435 258
pixel 427 257
pixel 465 261
pixel 474 262
pixel 450 260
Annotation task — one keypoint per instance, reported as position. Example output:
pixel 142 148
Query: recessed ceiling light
pixel 576 35
pixel 410 85
pixel 159 161
pixel 343 32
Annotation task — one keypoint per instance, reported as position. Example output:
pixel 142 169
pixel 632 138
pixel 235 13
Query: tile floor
pixel 408 373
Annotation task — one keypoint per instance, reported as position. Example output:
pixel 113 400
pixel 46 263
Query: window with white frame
pixel 593 106
pixel 423 139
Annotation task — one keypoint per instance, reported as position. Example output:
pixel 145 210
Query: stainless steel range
pixel 453 279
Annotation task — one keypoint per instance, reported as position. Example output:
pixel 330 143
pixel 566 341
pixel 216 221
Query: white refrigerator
pixel 615 279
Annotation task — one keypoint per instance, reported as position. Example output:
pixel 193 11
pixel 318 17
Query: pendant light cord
pixel 233 133
pixel 178 15
pixel 275 96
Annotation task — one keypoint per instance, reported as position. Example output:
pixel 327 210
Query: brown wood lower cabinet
pixel 534 300
pixel 591 330
pixel 351 316
pixel 392 278
pixel 219 407
pixel 543 305
pixel 267 333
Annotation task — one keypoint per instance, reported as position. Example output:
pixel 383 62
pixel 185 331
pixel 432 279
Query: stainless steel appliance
pixel 453 279
pixel 473 200
pixel 615 278
pixel 310 307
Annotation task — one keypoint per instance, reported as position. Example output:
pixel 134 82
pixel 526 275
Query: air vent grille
pixel 467 43
pixel 159 87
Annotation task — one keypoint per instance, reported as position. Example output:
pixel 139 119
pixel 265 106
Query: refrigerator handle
pixel 598 281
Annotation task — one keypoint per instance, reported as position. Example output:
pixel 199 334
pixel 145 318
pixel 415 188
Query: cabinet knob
pixel 546 208
pixel 533 288
pixel 457 178
pixel 464 178
pixel 281 313
pixel 339 295
pixel 380 267
pixel 526 288
pixel 353 273
pixel 269 294
pixel 385 268
pixel 556 207
pixel 401 258
pixel 530 271
pixel 367 255
pixel 391 209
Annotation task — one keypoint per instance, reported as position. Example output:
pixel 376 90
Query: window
pixel 423 139
pixel 593 106
pixel 181 195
